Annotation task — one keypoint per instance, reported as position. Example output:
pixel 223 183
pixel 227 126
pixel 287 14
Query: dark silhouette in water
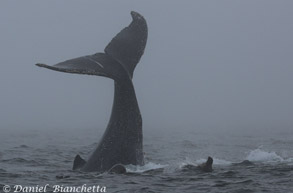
pixel 78 162
pixel 208 166
pixel 122 140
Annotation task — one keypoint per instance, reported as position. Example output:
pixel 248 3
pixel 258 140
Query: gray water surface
pixel 38 157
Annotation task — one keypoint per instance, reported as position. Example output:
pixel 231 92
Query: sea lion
pixel 207 166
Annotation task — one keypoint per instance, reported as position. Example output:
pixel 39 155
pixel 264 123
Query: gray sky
pixel 207 64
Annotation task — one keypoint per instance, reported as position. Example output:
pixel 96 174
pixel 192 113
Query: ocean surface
pixel 34 158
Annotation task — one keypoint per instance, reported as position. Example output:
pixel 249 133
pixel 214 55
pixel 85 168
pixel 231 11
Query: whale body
pixel 122 142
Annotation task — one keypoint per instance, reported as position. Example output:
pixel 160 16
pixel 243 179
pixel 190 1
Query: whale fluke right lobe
pixel 128 45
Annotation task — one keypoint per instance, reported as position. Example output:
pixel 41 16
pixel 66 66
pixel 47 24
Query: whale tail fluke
pixel 123 135
pixel 121 55
pixel 78 162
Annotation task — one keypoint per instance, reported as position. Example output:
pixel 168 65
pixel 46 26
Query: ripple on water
pixel 21 161
pixel 244 182
pixel 2 170
pixel 220 183
pixel 243 190
pixel 22 146
pixel 188 144
pixel 9 175
pixel 229 174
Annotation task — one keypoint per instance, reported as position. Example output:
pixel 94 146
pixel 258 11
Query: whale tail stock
pixel 120 58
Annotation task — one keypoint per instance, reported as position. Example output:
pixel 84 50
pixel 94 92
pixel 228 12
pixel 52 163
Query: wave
pixel 20 161
pixel 173 166
pixel 255 155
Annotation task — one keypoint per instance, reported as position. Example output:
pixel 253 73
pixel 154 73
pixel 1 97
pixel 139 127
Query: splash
pixel 146 167
pixel 260 155
pixel 221 162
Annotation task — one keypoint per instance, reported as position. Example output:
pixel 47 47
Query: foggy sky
pixel 207 64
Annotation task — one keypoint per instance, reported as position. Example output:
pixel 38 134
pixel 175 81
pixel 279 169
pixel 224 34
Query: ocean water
pixel 35 158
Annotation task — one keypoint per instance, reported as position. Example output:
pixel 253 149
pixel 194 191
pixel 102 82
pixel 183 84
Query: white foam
pixel 221 162
pixel 260 155
pixel 256 155
pixel 189 161
pixel 146 167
